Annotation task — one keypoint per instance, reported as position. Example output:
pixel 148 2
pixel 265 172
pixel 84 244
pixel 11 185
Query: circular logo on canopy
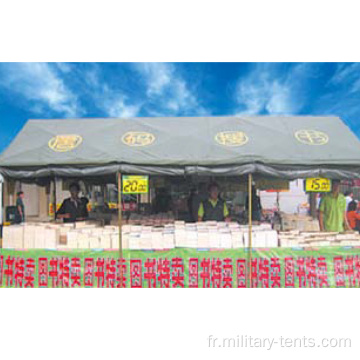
pixel 63 143
pixel 133 138
pixel 311 137
pixel 231 138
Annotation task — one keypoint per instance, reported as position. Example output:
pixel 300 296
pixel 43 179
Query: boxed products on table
pixel 160 219
pixel 202 235
pixel 296 238
pixel 212 234
pixel 87 235
pixel 299 222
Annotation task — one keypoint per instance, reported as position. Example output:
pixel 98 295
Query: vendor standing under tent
pixel 256 208
pixel 349 196
pixel 191 203
pixel 162 201
pixel 332 216
pixel 197 196
pixel 20 208
pixel 74 208
pixel 352 216
pixel 214 208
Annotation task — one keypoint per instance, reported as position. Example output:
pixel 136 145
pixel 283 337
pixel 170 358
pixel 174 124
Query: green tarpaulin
pixel 182 267
pixel 280 146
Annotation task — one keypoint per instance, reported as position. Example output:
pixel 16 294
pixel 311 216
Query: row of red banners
pixel 266 272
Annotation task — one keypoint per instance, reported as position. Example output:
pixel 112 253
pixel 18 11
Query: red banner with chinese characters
pixel 276 268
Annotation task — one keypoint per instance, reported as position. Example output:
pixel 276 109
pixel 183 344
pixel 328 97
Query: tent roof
pixel 176 145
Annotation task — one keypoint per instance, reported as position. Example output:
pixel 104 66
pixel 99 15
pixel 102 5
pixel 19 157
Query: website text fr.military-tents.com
pixel 269 343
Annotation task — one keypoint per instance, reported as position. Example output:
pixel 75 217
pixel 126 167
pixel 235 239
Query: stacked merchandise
pixel 296 238
pixel 191 235
pixel 212 234
pixel 214 240
pixel 31 236
pixel 180 234
pixel 168 237
pixel 299 222
pixel 134 236
pixel 151 220
pixel 237 235
pixel 48 236
pixel 203 235
pixel 13 237
pixel 87 235
pixel 262 236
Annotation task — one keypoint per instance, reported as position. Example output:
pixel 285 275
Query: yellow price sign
pixel 134 184
pixel 318 185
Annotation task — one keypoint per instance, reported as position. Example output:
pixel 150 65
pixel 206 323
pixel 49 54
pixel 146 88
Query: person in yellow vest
pixel 213 208
pixel 332 211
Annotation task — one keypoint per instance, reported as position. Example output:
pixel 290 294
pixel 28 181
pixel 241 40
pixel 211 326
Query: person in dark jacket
pixel 256 208
pixel 74 208
pixel 190 203
pixel 20 208
pixel 162 201
pixel 213 208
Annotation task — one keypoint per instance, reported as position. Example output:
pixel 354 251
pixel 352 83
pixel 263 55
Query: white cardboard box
pixel 52 236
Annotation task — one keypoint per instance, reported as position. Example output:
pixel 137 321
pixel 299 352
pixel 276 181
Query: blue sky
pixel 76 90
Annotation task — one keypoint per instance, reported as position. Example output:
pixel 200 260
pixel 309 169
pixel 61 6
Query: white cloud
pixel 92 77
pixel 347 75
pixel 343 94
pixel 166 88
pixel 64 67
pixel 280 101
pixel 39 82
pixel 117 107
pixel 113 102
pixel 158 76
pixel 266 90
pixel 45 89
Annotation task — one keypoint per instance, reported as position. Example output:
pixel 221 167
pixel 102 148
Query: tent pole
pixel 120 227
pixel 250 227
pixel 313 205
pixel 54 198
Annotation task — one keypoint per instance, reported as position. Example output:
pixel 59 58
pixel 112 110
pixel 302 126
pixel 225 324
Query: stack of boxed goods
pixel 202 235
pixel 169 236
pixel 180 234
pixel 147 236
pixel 48 236
pixel 191 237
pixel 87 235
pixel 156 238
pixel 212 234
pixel 296 238
pixel 134 237
pixel 138 237
pixel 262 236
pixel 13 237
pixel 237 235
pixel 299 222
pixel 225 241
pixel 31 236
pixel 160 219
